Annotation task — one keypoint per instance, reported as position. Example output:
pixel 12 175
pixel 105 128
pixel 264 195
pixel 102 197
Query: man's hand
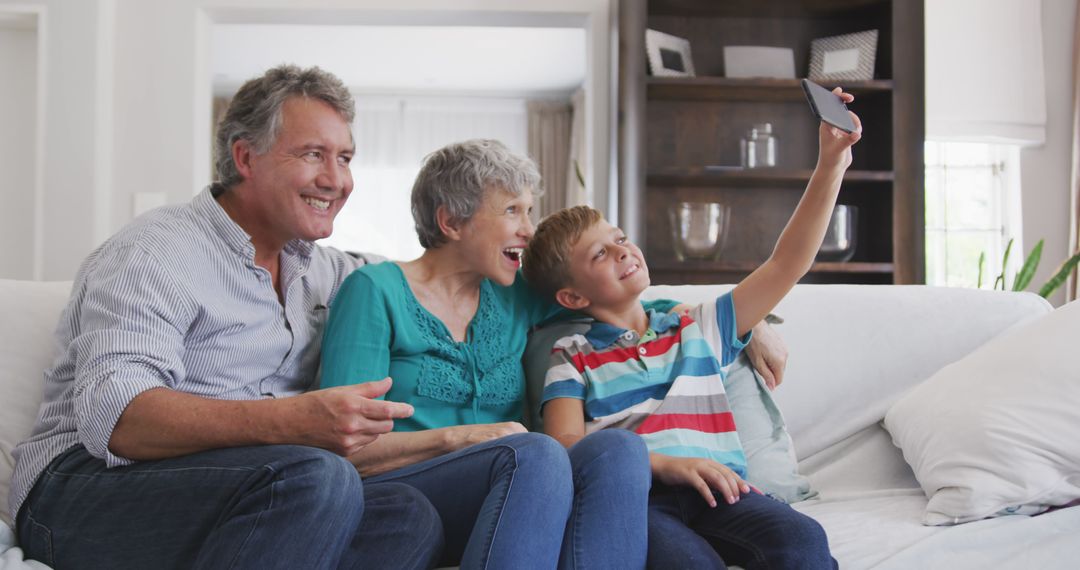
pixel 161 423
pixel 768 354
pixel 705 475
pixel 343 419
pixel 460 437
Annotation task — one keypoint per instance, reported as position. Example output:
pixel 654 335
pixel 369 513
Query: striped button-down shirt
pixel 176 300
pixel 666 385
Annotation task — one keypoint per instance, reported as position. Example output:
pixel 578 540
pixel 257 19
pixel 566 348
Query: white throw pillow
pixel 998 432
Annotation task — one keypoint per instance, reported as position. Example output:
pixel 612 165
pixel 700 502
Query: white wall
pixel 127 98
pixel 74 177
pixel 1045 171
pixel 18 140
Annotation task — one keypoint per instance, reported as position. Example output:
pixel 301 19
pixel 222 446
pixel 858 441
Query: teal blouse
pixel 377 328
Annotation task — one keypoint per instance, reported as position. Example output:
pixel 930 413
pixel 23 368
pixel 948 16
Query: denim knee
pixel 615 453
pixel 320 481
pixel 801 543
pixel 411 505
pixel 539 456
pixel 416 524
pixel 538 447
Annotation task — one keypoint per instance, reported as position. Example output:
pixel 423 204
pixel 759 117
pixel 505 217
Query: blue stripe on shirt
pixel 618 402
pixel 564 389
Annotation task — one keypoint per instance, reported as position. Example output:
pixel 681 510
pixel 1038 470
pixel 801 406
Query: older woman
pixel 449 328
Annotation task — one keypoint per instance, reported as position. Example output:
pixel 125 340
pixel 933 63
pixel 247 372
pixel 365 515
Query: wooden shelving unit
pixel 689 129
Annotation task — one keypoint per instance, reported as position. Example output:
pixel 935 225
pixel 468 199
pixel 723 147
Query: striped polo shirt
pixel 666 385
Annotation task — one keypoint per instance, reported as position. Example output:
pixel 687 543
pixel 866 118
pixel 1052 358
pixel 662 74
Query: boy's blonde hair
pixel 546 264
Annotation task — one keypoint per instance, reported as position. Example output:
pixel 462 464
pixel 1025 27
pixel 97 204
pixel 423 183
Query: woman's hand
pixel 705 475
pixel 768 354
pixel 460 437
pixel 403 448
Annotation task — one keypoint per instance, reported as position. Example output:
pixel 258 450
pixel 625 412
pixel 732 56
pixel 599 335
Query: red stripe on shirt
pixel 658 347
pixel 707 423
pixel 661 345
pixel 594 360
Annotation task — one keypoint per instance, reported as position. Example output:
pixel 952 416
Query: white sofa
pixel 854 350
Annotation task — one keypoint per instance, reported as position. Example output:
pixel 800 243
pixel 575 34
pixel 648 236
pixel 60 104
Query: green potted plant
pixel 1027 271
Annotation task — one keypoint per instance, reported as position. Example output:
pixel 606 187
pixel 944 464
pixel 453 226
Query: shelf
pixel 748 266
pixel 754 8
pixel 724 176
pixel 736 89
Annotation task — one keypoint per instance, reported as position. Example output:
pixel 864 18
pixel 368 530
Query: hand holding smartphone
pixel 828 107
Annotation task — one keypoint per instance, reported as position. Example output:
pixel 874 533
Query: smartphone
pixel 828 107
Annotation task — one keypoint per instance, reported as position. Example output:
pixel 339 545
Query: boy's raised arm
pixel 794 253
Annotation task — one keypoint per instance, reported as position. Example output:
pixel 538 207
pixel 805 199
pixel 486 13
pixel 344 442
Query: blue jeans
pixel 521 501
pixel 249 507
pixel 757 532
pixel 608 524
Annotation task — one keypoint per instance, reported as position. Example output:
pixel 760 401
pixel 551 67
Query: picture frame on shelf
pixel 848 57
pixel 668 55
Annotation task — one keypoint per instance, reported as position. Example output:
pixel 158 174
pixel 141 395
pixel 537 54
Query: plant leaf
pixel 1060 276
pixel 1027 272
pixel 1004 263
pixel 982 266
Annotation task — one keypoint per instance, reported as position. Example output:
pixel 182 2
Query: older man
pixel 177 428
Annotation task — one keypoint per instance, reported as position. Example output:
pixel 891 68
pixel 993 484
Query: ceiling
pixel 488 60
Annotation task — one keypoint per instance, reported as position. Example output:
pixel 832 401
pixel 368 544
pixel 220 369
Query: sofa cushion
pixel 996 432
pixel 31 311
pixel 770 455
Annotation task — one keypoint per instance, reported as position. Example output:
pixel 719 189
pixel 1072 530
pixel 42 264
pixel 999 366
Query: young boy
pixel 661 376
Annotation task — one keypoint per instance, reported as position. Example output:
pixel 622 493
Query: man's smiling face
pixel 303 180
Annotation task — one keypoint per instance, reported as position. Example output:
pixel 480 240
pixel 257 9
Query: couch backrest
pixel 30 312
pixel 854 349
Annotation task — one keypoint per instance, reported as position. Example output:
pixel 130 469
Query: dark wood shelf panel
pixel 748 266
pixel 753 8
pixel 738 89
pixel 705 176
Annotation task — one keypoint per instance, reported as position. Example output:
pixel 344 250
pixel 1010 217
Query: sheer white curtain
pixel 393 135
pixel 550 125
pixel 556 142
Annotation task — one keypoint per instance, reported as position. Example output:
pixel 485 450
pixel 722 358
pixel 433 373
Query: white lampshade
pixel 984 71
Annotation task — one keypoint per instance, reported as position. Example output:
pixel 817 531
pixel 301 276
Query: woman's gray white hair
pixel 457 176
pixel 255 112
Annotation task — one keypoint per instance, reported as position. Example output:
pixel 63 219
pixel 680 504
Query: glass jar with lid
pixel 758 149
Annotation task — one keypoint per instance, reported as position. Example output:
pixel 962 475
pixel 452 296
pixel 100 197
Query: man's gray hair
pixel 254 114
pixel 457 176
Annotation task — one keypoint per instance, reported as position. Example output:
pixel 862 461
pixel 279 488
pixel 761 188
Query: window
pixel 393 135
pixel 972 207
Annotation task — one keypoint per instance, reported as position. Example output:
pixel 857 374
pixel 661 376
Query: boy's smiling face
pixel 608 270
